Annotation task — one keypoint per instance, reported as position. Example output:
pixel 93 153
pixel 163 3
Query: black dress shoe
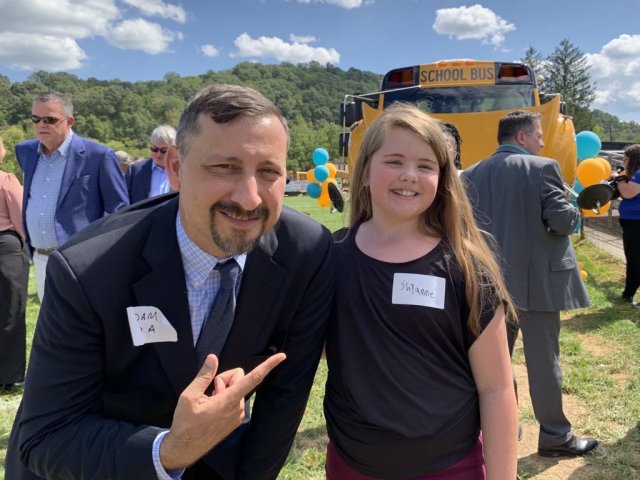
pixel 571 448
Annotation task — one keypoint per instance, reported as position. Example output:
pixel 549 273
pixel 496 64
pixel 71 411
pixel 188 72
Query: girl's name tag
pixel 413 289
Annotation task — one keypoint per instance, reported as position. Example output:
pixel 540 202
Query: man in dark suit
pixel 98 406
pixel 520 199
pixel 148 178
pixel 69 181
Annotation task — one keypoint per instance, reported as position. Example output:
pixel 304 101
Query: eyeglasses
pixel 46 120
pixel 162 150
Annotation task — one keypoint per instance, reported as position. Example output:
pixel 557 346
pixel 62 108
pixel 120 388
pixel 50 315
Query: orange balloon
pixel 583 275
pixel 332 169
pixel 310 176
pixel 605 163
pixel 323 199
pixel 591 171
pixel 603 210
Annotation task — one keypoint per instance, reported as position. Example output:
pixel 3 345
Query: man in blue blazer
pixel 148 178
pixel 69 181
pixel 106 396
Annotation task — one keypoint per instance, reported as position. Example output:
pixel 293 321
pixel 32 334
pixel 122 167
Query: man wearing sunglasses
pixel 148 178
pixel 69 181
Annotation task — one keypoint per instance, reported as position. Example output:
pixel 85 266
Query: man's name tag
pixel 149 325
pixel 413 289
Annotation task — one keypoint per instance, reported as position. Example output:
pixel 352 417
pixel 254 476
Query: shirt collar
pixel 155 166
pixel 198 263
pixel 517 147
pixel 62 149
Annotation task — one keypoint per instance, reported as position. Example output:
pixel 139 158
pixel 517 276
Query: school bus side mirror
pixel 563 108
pixel 343 144
pixel 349 113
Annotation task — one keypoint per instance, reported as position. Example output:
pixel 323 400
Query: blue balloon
pixel 588 144
pixel 320 156
pixel 314 190
pixel 321 173
pixel 577 186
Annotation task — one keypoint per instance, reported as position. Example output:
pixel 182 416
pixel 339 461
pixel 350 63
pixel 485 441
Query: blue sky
pixel 144 39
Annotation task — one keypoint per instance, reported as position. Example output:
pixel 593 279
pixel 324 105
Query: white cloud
pixel 209 50
pixel 302 38
pixel 616 71
pixel 159 8
pixel 46 34
pixel 139 34
pixel 348 4
pixel 472 23
pixel 274 47
pixel 63 18
pixel 22 51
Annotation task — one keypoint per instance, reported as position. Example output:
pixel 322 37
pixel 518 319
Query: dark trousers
pixel 540 341
pixel 14 276
pixel 631 244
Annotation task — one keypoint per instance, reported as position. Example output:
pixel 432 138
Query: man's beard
pixel 237 241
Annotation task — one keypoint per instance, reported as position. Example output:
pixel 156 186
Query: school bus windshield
pixel 464 99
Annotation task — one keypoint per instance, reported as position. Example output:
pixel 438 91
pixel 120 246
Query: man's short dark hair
pixel 64 100
pixel 514 122
pixel 223 104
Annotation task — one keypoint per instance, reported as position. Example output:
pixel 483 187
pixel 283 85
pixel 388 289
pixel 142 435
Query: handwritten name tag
pixel 413 289
pixel 149 325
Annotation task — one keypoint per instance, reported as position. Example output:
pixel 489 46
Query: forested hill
pixel 122 114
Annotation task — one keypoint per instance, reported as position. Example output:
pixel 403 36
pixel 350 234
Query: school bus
pixel 472 96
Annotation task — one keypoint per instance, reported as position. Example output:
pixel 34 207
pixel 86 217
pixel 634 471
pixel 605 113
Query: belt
pixel 44 251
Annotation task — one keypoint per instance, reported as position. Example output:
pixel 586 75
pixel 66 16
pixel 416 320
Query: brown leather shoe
pixel 571 448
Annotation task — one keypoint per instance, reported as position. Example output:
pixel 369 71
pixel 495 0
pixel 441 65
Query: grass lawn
pixel 601 364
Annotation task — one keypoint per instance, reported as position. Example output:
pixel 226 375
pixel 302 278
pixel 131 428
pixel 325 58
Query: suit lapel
pixel 73 165
pixel 261 284
pixel 30 162
pixel 146 178
pixel 164 287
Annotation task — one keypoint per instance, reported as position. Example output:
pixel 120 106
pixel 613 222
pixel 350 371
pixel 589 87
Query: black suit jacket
pixel 139 180
pixel 93 402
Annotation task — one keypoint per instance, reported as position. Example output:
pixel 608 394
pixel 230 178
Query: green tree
pixel 533 58
pixel 11 136
pixel 567 73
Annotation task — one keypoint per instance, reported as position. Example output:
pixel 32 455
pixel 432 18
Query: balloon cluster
pixel 591 168
pixel 320 176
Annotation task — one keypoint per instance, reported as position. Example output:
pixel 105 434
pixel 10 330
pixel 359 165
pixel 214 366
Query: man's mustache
pixel 234 209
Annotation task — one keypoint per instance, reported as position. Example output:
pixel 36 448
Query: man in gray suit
pixel 519 198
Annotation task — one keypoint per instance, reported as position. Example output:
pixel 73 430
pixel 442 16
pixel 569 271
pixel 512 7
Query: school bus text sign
pixel 439 76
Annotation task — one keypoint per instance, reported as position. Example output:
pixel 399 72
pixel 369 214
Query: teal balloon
pixel 320 156
pixel 321 173
pixel 577 187
pixel 314 190
pixel 588 144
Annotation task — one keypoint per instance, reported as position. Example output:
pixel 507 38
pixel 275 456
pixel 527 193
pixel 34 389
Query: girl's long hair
pixel 449 217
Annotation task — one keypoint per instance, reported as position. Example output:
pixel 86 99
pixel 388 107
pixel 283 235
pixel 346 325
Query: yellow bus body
pixel 478 130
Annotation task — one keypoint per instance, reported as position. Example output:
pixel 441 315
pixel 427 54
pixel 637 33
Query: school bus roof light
pixel 455 63
pixel 513 73
pixel 401 77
